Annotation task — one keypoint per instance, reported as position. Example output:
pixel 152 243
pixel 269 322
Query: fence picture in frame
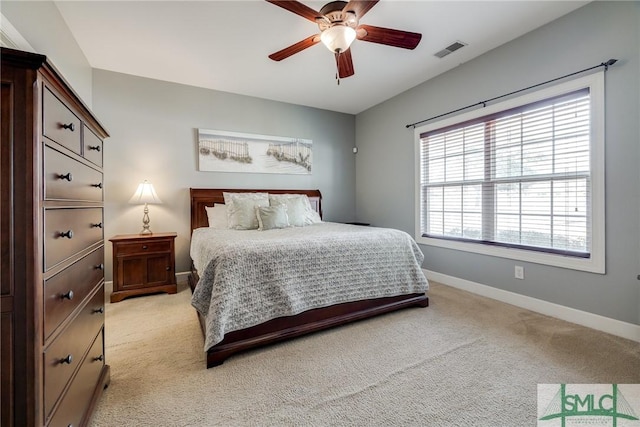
pixel 224 151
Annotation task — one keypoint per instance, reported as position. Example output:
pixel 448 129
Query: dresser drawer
pixel 92 147
pixel 65 354
pixel 68 231
pixel 59 123
pixel 68 179
pixel 144 247
pixel 64 291
pixel 75 402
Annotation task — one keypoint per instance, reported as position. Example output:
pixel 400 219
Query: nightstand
pixel 143 264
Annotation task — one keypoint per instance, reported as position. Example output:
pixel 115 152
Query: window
pixel 521 179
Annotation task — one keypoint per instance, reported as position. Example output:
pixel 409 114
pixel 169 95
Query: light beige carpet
pixel 464 361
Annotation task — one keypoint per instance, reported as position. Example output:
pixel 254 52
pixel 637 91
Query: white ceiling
pixel 224 45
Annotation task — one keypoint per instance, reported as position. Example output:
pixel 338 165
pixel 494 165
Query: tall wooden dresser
pixel 52 360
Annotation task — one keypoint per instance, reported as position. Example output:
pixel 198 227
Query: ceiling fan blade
pixel 297 8
pixel 388 36
pixel 345 65
pixel 360 7
pixel 295 48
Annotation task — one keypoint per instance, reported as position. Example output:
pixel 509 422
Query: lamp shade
pixel 145 194
pixel 338 38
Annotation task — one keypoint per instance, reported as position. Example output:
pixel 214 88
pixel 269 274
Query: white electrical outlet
pixel 519 272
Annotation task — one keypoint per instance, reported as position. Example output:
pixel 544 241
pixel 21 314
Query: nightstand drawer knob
pixel 168 268
pixel 68 234
pixel 68 176
pixel 70 127
pixel 94 147
pixel 145 247
pixel 68 295
pixel 98 185
pixel 98 358
pixel 99 267
pixel 96 225
pixel 99 310
pixel 67 359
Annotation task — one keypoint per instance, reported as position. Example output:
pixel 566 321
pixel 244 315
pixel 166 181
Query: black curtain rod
pixel 484 103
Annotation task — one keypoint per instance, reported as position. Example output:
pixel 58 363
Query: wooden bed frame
pixel 290 326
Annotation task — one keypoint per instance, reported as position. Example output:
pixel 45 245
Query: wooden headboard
pixel 201 197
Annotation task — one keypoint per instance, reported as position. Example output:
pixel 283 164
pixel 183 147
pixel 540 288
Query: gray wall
pixel 153 127
pixel 41 24
pixel 586 37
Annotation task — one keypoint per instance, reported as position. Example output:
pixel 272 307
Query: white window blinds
pixel 516 178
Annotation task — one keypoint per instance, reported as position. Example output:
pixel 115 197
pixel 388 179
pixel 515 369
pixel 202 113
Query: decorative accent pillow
pixel 217 215
pixel 241 209
pixel 270 217
pixel 297 207
pixel 310 216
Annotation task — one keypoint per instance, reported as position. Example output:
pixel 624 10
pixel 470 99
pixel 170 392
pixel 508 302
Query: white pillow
pixel 217 215
pixel 298 208
pixel 270 217
pixel 295 204
pixel 241 209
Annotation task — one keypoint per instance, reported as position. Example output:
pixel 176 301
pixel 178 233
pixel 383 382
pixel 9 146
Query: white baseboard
pixel 182 277
pixel 590 320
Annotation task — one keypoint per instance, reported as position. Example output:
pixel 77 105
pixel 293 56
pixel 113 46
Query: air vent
pixel 449 49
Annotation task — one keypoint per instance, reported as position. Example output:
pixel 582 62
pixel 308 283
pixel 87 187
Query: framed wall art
pixel 224 151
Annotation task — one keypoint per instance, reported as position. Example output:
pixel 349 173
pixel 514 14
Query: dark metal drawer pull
pixel 68 234
pixel 96 225
pixel 68 295
pixel 67 359
pixel 66 176
pixel 94 147
pixel 98 358
pixel 70 126
pixel 98 310
pixel 145 247
pixel 98 185
pixel 168 268
pixel 99 267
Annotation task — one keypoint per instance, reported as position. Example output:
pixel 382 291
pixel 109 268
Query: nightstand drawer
pixel 68 179
pixel 71 410
pixel 65 354
pixel 67 289
pixel 92 147
pixel 59 123
pixel 142 248
pixel 68 231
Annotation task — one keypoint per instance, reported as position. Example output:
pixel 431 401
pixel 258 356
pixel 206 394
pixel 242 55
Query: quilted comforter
pixel 248 277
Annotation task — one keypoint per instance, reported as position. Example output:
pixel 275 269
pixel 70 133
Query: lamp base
pixel 145 221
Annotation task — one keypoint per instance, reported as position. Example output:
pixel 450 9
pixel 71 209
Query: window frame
pixel 595 263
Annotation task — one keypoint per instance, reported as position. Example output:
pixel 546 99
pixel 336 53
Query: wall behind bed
pixel 153 127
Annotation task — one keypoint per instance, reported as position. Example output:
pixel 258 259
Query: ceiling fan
pixel 339 24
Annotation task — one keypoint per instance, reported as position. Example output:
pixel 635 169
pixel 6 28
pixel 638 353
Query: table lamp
pixel 145 194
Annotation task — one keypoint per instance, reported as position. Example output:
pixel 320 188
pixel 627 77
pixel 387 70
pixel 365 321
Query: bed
pixel 344 295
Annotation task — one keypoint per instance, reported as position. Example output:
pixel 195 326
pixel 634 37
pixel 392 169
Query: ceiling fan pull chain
pixel 338 67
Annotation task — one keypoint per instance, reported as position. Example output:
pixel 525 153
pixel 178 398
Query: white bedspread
pixel 248 277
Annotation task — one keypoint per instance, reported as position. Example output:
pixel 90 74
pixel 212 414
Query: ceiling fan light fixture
pixel 338 38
